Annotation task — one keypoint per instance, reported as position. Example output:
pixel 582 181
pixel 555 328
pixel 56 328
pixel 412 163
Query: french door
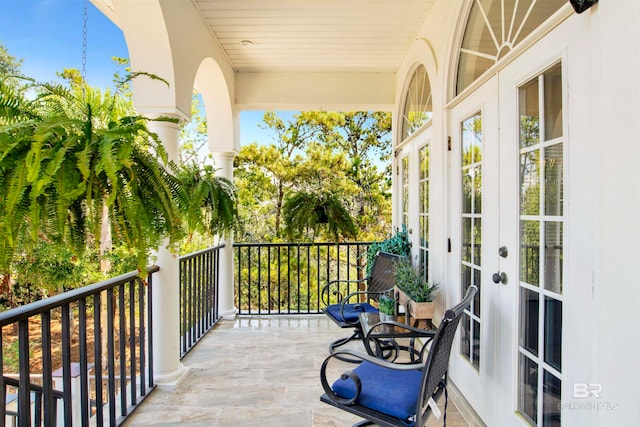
pixel 474 199
pixel 505 183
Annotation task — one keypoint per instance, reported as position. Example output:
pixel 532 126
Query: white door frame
pixel 475 383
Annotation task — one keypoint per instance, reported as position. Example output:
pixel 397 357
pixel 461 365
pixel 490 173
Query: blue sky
pixel 47 36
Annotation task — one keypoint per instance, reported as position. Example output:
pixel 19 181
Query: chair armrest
pixel 346 299
pixel 333 288
pixel 377 361
pixel 367 293
pixel 349 374
pixel 412 330
pixel 396 330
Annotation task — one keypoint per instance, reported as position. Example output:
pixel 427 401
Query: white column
pixel 224 164
pixel 167 369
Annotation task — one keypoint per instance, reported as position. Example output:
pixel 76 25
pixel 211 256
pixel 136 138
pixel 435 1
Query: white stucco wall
pixel 612 115
pixel 600 50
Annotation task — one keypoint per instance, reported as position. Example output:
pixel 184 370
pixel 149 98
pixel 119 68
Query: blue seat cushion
pixel 385 390
pixel 351 311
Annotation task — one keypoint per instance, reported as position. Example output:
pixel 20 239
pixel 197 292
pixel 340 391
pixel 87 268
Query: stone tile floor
pixel 258 371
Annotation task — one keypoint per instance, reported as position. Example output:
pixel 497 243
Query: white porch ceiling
pixel 314 36
pixel 298 54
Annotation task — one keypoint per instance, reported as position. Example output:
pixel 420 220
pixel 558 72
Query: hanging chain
pixel 85 17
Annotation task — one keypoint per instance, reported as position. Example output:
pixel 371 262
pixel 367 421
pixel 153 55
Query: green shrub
pixel 397 244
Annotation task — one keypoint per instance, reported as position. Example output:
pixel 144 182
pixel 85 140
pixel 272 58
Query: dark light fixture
pixel 582 5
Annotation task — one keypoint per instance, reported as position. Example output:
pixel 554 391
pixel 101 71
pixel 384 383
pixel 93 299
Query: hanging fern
pixel 207 202
pixel 312 211
pixel 66 155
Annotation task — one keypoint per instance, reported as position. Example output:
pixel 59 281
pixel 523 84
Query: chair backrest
pixel 382 273
pixel 437 362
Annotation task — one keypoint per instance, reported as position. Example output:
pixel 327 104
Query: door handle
pixel 499 278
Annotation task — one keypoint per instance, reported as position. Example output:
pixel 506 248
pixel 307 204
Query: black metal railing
pixel 287 278
pixel 36 393
pixel 199 278
pixel 92 339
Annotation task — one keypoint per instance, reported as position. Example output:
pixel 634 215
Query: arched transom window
pixel 418 107
pixel 494 27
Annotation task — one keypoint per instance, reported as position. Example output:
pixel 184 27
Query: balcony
pixel 257 370
pixel 86 357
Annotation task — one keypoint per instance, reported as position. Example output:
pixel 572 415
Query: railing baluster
pixel 97 355
pixel 66 364
pixel 192 305
pixel 142 335
pixel 47 381
pixel 201 285
pixel 249 278
pixel 206 293
pixel 122 331
pixel 318 280
pixel 150 327
pixel 111 389
pixel 208 274
pixel 37 414
pixel 132 340
pixel 288 279
pixel 329 266
pixel 183 313
pixel 279 280
pixel 308 279
pixel 239 270
pixel 269 303
pixel 216 286
pixel 298 277
pixel 24 404
pixel 84 365
pixel 197 304
pixel 259 281
pixel 3 386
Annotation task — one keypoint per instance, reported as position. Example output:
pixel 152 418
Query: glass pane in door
pixel 541 248
pixel 405 190
pixel 471 233
pixel 424 210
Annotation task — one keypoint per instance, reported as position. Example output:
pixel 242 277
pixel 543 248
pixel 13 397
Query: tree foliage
pixel 9 64
pixel 317 156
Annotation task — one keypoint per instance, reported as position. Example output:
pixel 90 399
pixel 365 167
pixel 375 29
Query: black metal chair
pixel 391 394
pixel 345 311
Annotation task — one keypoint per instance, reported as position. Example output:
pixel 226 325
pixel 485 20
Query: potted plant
pixel 387 307
pixel 413 291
